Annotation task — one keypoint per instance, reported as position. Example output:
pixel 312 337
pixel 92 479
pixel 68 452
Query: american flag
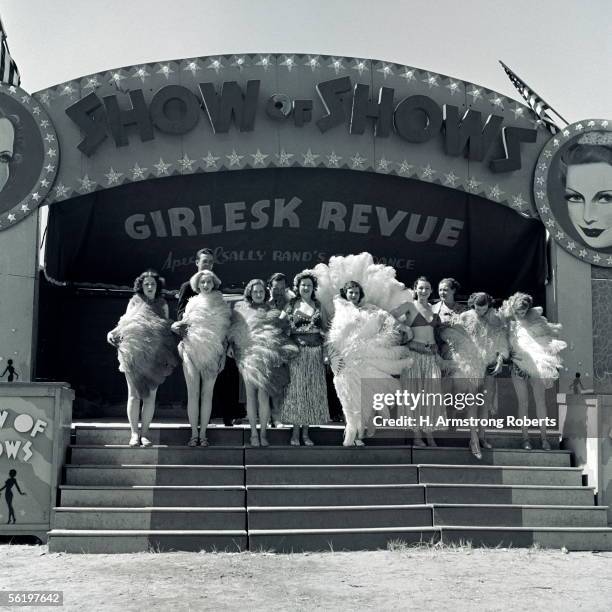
pixel 8 68
pixel 536 103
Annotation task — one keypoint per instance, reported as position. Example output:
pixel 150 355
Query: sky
pixel 561 48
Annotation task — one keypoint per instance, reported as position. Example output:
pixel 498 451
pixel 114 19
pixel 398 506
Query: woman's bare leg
pixel 148 410
pixel 522 396
pixel 264 415
pixel 251 410
pixel 192 381
pixel 208 386
pixel 133 406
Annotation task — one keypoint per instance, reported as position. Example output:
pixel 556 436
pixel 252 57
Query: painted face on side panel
pixel 588 193
pixel 7 143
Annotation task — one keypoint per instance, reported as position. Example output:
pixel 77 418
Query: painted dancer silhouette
pixel 11 371
pixel 11 482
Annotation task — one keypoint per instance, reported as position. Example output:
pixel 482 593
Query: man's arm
pixel 183 298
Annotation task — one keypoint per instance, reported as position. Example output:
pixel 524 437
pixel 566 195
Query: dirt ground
pixel 427 578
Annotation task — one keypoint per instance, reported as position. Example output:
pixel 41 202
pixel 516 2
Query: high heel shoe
pixel 485 444
pixel 475 449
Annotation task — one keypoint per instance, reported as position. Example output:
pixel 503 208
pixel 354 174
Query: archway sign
pixel 261 111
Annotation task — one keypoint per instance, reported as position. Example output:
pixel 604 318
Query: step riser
pixel 336 497
pixel 462 456
pixel 173 437
pixel 175 520
pixel 573 541
pixel 339 541
pixel 124 476
pixel 119 498
pixel 156 456
pixel 327 456
pixel 131 544
pixel 503 475
pixel 520 517
pixel 330 476
pixel 451 495
pixel 341 519
pixel 230 436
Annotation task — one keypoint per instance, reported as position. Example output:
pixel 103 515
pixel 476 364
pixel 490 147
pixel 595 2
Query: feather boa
pixel 366 340
pixel 535 345
pixel 147 348
pixel 208 319
pixel 379 284
pixel 261 347
pixel 474 342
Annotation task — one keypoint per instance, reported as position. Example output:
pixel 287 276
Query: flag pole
pixel 533 98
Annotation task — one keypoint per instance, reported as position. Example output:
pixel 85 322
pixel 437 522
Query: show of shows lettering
pixel 288 219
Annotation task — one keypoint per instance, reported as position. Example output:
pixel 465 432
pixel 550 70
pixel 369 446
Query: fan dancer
pixel 305 399
pixel 203 330
pixel 364 344
pixel 146 349
pixel 478 345
pixel 535 350
pixel 364 338
pixel 425 375
pixel 262 350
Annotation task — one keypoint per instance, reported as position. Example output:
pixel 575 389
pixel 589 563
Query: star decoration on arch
pixel 234 159
pixel 162 167
pixel 383 164
pixel 284 158
pixel 138 173
pixel 91 83
pixel 450 179
pixel 288 62
pixel 310 158
pixel 408 74
pixel 185 164
pixel 333 159
pixel 60 190
pixel 361 66
pixel 193 66
pixel 313 62
pixel 210 160
pixel 357 161
pixel 405 167
pixel 264 62
pixel 259 158
pixel 428 172
pixel 141 73
pixel 112 176
pixel 86 183
pixel 165 70
pixel 431 80
pixel 239 62
pixel 336 65
pixel 385 70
